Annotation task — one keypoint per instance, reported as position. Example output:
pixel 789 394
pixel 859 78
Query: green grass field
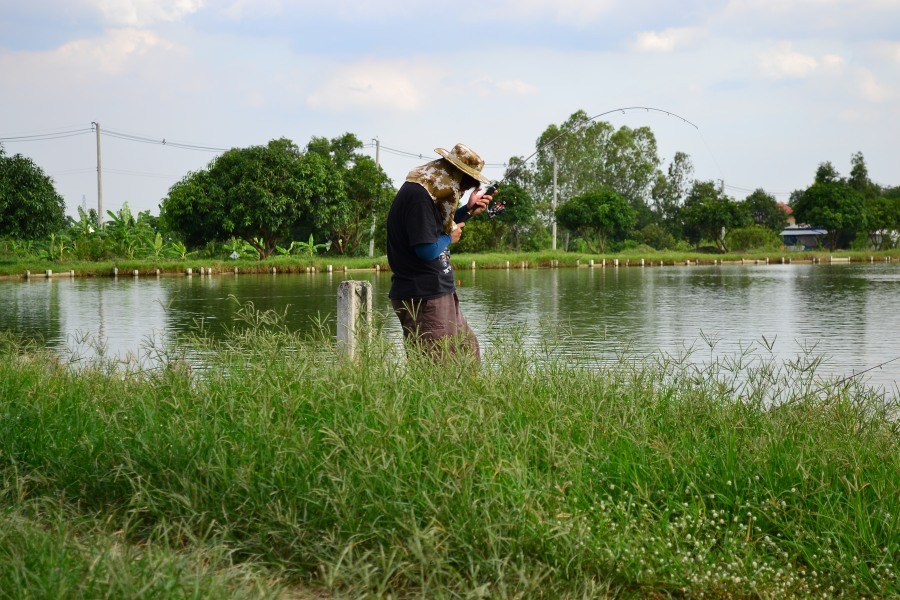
pixel 283 470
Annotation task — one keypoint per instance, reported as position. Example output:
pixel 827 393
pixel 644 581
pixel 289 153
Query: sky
pixel 763 91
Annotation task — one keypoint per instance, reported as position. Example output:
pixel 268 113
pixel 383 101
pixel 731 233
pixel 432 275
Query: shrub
pixel 749 238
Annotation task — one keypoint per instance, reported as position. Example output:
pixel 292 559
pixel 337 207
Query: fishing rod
pixel 497 207
pixel 854 376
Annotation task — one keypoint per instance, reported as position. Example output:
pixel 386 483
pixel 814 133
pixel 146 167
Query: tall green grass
pixel 286 467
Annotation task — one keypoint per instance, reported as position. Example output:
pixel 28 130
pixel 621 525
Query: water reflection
pixel 848 313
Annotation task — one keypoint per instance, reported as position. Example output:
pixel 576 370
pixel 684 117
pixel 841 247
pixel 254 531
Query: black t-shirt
pixel 414 219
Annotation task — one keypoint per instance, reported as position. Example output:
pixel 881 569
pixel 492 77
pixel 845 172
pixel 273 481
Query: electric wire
pixel 158 141
pixel 41 137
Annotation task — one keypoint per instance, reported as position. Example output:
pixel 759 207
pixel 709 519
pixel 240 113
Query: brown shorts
pixel 437 324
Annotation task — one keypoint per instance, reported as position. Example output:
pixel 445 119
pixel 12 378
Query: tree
pixel 121 228
pixel 346 219
pixel 256 194
pixel 765 210
pixel 509 225
pixel 859 178
pixel 832 204
pixel 596 216
pixel 30 207
pixel 708 214
pixel 591 155
pixel 883 213
pixel 670 190
pixel 884 221
pixel 519 210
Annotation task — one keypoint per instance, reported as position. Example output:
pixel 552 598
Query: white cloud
pixel 833 63
pixel 109 54
pixel 239 9
pixel 783 62
pixel 569 12
pixel 667 40
pixel 889 51
pixel 505 87
pixel 368 85
pixel 838 19
pixel 871 89
pixel 573 12
pixel 142 13
pixel 112 52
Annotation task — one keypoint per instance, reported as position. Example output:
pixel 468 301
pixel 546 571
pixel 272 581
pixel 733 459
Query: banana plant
pixel 310 248
pixel 157 246
pixel 239 247
pixel 56 248
pixel 178 249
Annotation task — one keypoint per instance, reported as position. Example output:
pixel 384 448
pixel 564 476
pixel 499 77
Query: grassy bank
pixel 285 470
pixel 295 264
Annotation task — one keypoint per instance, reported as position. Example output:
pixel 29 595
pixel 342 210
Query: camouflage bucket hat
pixel 464 158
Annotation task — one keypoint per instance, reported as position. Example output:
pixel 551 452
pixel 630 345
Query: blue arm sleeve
pixel 462 214
pixel 429 252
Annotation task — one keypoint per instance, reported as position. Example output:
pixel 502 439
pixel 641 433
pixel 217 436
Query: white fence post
pixel 354 301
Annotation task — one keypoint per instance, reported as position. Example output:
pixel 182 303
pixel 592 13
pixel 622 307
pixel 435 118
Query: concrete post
pixel 354 303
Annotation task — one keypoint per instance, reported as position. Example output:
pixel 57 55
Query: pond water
pixel 847 313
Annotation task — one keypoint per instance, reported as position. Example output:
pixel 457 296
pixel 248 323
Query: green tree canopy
pixel 30 207
pixel 708 214
pixel 256 194
pixel 832 204
pixel 592 155
pixel 859 178
pixel 765 210
pixel 346 219
pixel 884 221
pixel 669 191
pixel 507 226
pixel 596 216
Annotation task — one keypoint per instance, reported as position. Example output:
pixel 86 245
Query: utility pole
pixel 372 230
pixel 554 202
pixel 99 179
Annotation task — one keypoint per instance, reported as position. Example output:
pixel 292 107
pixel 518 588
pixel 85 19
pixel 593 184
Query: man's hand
pixel 456 233
pixel 478 201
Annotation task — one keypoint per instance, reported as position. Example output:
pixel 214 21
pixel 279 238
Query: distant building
pixel 803 238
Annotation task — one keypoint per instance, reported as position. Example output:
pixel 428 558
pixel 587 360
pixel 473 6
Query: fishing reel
pixel 494 208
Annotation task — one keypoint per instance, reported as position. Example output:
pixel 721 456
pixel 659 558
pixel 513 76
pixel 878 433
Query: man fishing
pixel 420 231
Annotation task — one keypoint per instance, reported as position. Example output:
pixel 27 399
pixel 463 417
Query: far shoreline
pixel 20 270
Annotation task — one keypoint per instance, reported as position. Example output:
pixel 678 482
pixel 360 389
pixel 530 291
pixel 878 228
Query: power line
pixel 40 137
pixel 422 156
pixel 141 173
pixel 75 171
pixel 55 135
pixel 159 141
